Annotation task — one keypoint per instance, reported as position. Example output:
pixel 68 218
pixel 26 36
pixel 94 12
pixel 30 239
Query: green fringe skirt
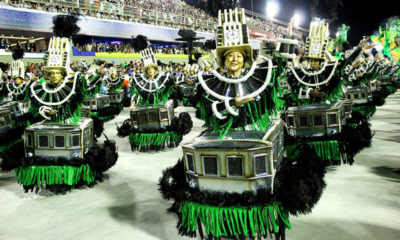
pixel 70 176
pixel 148 141
pixel 255 221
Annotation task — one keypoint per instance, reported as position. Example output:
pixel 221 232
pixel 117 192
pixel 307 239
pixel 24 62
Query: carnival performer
pixel 60 152
pixel 3 81
pixel 229 184
pixel 152 125
pixel 315 113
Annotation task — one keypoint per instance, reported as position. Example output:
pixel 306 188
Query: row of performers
pixel 273 124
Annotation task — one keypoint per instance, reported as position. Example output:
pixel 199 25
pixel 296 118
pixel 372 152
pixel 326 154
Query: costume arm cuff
pixel 230 108
pixel 215 110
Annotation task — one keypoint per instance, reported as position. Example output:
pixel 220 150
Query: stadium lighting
pixel 272 8
pixel 297 19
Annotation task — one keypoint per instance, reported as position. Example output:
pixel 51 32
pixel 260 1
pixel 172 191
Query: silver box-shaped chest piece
pixel 358 94
pixel 315 120
pixel 152 116
pixel 85 111
pixel 188 90
pixel 348 107
pixel 5 119
pixel 395 77
pixel 14 107
pixel 97 103
pixel 116 97
pixel 242 161
pixel 59 139
pixel 374 85
pixel 384 80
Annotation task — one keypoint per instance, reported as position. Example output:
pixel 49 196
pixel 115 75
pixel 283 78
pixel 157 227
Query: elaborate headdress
pixel 17 67
pixel 140 44
pixel 232 34
pixel 149 60
pixel 317 40
pixel 60 46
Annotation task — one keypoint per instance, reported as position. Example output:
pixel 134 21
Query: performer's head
pixel 18 80
pixel 234 61
pixel 314 64
pixel 54 76
pixel 150 71
pixel 114 75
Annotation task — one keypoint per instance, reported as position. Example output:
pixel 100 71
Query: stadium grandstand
pixel 107 26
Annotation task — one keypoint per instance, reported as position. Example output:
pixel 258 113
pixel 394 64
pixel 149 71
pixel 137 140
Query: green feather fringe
pixel 49 175
pixel 326 150
pixel 160 96
pixel 368 110
pixel 153 139
pixel 391 89
pixel 185 101
pixel 233 221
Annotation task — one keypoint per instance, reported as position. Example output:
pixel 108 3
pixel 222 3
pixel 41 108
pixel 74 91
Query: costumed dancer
pixel 3 81
pixel 152 124
pixel 17 86
pixel 340 44
pixel 188 86
pixel 60 153
pixel 389 41
pixel 113 82
pixel 15 108
pixel 109 101
pixel 233 181
pixel 104 101
pixel 315 113
pixel 360 81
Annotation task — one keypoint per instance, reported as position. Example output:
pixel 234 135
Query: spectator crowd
pixel 127 48
pixel 273 28
pixel 168 13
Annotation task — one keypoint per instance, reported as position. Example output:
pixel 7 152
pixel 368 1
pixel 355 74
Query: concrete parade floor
pixel 361 202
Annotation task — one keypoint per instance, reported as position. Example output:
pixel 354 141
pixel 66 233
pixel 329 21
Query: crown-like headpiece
pixel 232 33
pixel 17 69
pixel 58 55
pixel 317 40
pixel 148 58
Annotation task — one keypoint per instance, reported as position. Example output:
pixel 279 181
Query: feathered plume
pixel 3 67
pixel 210 45
pixel 140 43
pixel 18 53
pixel 65 25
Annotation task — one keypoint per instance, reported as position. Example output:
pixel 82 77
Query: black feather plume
pixel 140 43
pixel 4 66
pixel 210 45
pixel 125 129
pixel 65 25
pixel 182 125
pixel 300 182
pixel 18 53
